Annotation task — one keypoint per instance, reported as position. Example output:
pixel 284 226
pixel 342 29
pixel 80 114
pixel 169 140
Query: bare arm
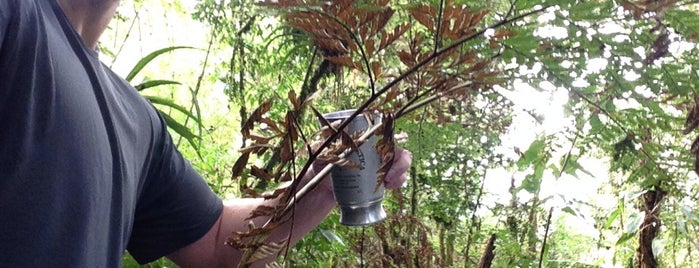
pixel 210 250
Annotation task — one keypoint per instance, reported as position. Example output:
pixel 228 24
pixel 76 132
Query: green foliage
pixel 181 129
pixel 628 74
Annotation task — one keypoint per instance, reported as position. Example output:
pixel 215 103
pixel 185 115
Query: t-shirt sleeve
pixel 5 12
pixel 175 208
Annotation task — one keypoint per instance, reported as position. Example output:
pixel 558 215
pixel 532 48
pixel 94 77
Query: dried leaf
pixel 383 18
pixel 425 15
pixel 388 38
pixel 267 250
pixel 271 125
pixel 286 152
pixel 260 139
pixel 254 234
pixel 344 60
pixel 321 118
pixel 260 173
pixel 370 47
pixel 503 33
pixel 274 265
pixel 257 149
pixel 332 46
pixel 376 68
pixel 290 126
pixel 263 210
pixel 255 117
pixel 294 100
pixel 385 147
pixel 249 192
pixel 239 165
pixel 406 58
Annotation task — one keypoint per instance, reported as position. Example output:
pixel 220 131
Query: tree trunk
pixel 649 228
pixel 488 254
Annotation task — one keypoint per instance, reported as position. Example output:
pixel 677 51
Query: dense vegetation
pixel 551 133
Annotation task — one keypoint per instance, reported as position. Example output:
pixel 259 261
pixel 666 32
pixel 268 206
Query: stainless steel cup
pixel 355 189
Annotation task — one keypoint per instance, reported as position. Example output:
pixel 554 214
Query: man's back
pixel 86 165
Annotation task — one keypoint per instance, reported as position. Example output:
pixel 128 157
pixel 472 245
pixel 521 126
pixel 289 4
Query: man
pixel 87 168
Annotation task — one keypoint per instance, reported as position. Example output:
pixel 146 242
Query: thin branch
pixel 362 53
pixel 546 235
pixel 128 33
pixel 313 182
pixel 568 155
pixel 440 21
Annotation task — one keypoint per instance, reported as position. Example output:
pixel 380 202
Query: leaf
pixel 531 184
pixel 424 15
pixel 155 83
pixel 260 211
pixel 239 165
pixel 634 222
pixel 331 236
pixel 658 246
pixel 590 10
pixel 523 41
pixel 148 58
pixel 181 130
pixel 688 213
pixel 527 4
pixel 611 218
pixel 624 237
pixel 294 100
pixel 573 165
pixel 385 147
pixel 260 173
pixel 531 154
pixel 344 60
pixel 595 123
pixel 569 211
pixel 266 250
pixel 388 38
pixel 170 103
pixel 255 117
pixel 686 21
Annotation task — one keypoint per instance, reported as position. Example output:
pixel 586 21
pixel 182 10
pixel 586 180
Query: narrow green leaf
pixel 331 236
pixel 180 130
pixel 170 103
pixel 155 83
pixel 569 211
pixel 625 237
pixel 147 59
pixel 611 218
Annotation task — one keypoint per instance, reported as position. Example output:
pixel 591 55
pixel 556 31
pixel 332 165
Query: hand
pixel 396 176
pixel 398 173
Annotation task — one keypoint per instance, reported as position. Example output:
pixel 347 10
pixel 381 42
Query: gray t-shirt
pixel 87 168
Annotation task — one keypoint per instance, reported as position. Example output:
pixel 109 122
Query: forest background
pixel 566 139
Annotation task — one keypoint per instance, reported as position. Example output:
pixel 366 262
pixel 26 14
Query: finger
pixel 396 183
pixel 401 162
pixel 397 175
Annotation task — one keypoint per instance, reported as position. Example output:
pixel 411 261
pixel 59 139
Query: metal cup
pixel 355 189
